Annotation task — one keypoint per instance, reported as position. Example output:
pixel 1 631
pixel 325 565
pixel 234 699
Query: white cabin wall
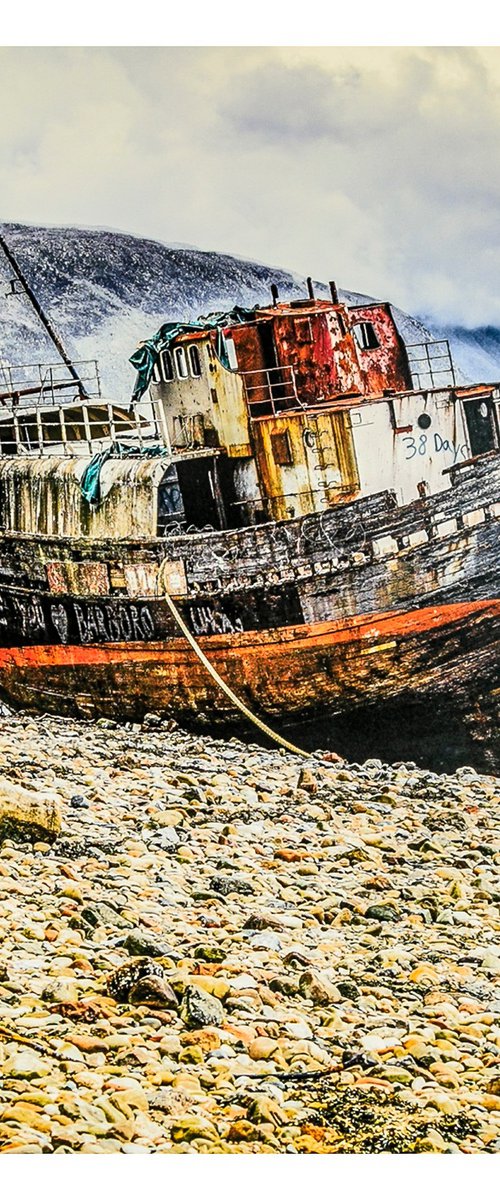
pixel 216 396
pixel 399 459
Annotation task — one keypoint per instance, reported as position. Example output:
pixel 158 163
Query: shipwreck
pixel 314 501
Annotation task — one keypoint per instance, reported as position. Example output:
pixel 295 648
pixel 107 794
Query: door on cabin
pixel 481 421
pixel 280 390
pixel 202 498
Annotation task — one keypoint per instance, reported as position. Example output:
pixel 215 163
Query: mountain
pixel 476 352
pixel 106 291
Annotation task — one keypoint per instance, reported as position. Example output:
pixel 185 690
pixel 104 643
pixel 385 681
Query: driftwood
pixel 26 815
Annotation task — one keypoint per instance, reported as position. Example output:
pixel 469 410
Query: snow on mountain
pixel 476 352
pixel 106 291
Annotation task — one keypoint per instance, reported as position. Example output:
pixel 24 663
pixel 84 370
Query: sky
pixel 379 167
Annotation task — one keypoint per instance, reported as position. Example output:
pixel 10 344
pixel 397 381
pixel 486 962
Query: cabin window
pixel 231 353
pixel 365 336
pixel 303 331
pixel 167 366
pixel 194 361
pixel 282 449
pixel 181 362
pixel 28 432
pixel 156 373
pixel 51 428
pixel 74 421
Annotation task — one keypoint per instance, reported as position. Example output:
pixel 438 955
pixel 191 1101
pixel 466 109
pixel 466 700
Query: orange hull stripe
pixel 325 634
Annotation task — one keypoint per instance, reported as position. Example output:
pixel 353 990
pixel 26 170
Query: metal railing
pixel 431 364
pixel 270 391
pixel 80 428
pixel 43 411
pixel 43 383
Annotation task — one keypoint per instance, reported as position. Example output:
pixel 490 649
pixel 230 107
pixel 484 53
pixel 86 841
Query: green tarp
pixel 90 483
pixel 148 352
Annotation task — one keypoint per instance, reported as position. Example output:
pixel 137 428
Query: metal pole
pixel 45 321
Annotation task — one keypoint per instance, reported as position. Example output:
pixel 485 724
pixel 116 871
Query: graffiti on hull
pixel 33 618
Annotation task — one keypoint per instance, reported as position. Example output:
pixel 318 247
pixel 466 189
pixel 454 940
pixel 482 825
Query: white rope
pixel 276 737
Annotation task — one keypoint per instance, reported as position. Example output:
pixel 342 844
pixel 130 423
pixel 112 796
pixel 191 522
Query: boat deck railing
pixel 431 364
pixel 270 391
pixel 46 383
pixel 82 427
pixel 44 409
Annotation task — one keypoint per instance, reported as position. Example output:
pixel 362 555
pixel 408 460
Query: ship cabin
pixel 308 404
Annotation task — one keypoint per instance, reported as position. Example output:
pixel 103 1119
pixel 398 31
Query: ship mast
pixel 42 316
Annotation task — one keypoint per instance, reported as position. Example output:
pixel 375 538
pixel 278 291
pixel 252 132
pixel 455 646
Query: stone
pixel 307 781
pixel 199 1008
pixel 317 987
pixel 207 1039
pixel 265 941
pixel 78 801
pixel 214 985
pixel 287 985
pixel 299 1029
pixel 395 1074
pixel 348 990
pixel 381 912
pixel 226 884
pixel 26 1064
pixel 263 1109
pixel 210 954
pixel 139 942
pixel 187 1128
pixel 242 1131
pixel 27 815
pixel 101 913
pixel 27 1114
pixel 262 1047
pixel 61 990
pixel 141 982
pixel 191 1054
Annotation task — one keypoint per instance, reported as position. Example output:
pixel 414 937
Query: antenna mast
pixel 42 317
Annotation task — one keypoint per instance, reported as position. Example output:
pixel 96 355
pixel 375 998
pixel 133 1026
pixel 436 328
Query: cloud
pixel 376 166
pixel 290 104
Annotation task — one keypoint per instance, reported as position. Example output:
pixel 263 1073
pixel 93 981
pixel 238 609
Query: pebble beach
pixel 224 949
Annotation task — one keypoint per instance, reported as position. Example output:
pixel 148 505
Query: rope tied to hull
pixel 239 704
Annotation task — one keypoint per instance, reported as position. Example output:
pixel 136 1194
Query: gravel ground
pixel 228 951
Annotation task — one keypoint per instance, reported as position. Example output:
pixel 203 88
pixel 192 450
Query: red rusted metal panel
pixel 317 341
pixel 383 368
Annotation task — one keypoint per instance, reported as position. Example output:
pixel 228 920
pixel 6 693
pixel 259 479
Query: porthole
pixel 424 420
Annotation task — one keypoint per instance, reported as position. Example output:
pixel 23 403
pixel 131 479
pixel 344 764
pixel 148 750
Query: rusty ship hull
pixel 363 605
pixel 295 671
